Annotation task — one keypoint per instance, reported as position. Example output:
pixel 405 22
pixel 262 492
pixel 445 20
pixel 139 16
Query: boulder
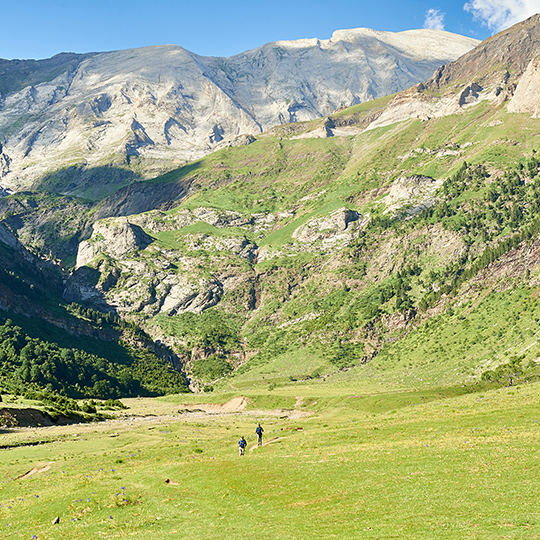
pixel 413 193
pixel 330 229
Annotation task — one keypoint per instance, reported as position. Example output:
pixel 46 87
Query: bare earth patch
pixel 35 470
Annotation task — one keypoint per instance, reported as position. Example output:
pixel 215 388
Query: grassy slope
pixel 334 292
pixel 274 173
pixel 453 468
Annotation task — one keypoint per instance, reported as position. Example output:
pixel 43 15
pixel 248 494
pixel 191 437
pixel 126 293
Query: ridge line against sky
pixel 35 29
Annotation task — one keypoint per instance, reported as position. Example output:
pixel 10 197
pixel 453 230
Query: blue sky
pixel 42 28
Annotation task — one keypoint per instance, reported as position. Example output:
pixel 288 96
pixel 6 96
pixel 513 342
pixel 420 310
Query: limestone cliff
pixel 109 118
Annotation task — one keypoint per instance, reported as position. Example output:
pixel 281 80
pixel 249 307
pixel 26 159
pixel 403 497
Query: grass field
pixel 431 467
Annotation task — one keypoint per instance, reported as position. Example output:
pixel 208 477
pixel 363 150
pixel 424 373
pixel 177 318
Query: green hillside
pixel 301 302
pixel 368 301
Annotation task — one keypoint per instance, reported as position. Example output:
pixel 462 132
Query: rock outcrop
pixel 527 95
pixel 122 268
pixel 112 237
pixel 334 228
pixel 491 71
pixel 412 194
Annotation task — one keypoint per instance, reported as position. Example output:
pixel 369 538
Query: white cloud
pixel 434 19
pixel 500 14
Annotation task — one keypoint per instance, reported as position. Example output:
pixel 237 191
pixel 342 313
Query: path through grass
pixel 462 467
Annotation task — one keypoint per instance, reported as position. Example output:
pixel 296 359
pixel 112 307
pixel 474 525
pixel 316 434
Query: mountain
pixel 394 240
pixel 88 124
pixel 341 240
pixel 502 68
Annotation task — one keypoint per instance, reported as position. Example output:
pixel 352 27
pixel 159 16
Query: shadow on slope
pixel 162 192
pixel 17 74
pixel 93 184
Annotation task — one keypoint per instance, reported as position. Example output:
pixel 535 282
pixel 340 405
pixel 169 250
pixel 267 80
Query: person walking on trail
pixel 242 443
pixel 259 431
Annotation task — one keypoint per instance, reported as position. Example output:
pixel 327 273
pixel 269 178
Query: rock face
pixel 413 194
pixel 112 237
pixel 126 269
pixel 336 228
pixel 494 71
pixel 122 268
pixel 8 238
pixel 148 110
pixel 527 96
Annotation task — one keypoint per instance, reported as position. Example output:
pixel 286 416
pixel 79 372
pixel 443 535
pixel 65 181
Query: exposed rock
pixel 156 221
pixel 236 142
pixel 141 196
pixel 5 162
pixel 115 237
pixel 154 108
pixel 527 95
pixel 414 105
pixel 131 274
pixel 490 71
pixel 325 226
pixel 80 287
pixel 413 192
pixel 325 233
pixel 9 238
pixel 239 246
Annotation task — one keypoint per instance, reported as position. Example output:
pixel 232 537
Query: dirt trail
pixel 140 412
pixel 269 441
pixel 239 405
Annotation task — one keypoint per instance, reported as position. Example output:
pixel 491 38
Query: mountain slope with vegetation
pixel 379 243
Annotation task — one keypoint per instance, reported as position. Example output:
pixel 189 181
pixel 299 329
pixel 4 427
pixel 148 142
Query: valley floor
pixel 453 468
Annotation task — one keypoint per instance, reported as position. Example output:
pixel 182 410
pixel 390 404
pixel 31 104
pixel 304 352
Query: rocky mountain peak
pixel 493 71
pixel 499 60
pixel 148 110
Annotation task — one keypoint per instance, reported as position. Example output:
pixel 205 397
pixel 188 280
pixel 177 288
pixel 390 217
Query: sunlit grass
pixel 452 468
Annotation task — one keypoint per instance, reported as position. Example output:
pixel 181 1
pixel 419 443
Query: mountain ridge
pixel 135 113
pixel 325 250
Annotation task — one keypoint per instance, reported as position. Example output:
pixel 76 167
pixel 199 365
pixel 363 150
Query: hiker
pixel 259 431
pixel 242 443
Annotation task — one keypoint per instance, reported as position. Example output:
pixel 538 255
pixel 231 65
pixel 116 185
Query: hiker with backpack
pixel 259 431
pixel 242 443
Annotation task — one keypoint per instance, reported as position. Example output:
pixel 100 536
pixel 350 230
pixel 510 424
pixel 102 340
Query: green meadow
pixel 381 465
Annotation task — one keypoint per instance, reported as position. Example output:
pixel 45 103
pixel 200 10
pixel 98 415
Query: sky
pixel 42 28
